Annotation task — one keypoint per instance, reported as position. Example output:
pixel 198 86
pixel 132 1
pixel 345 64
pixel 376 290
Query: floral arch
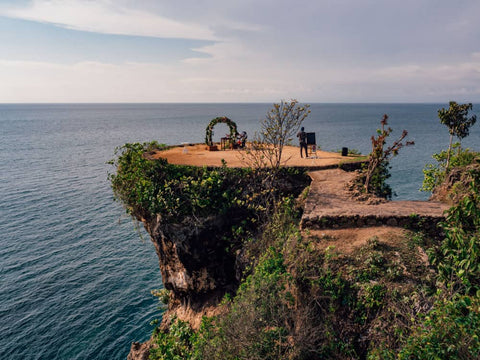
pixel 222 119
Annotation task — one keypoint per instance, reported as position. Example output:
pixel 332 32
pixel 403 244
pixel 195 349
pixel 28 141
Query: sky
pixel 239 51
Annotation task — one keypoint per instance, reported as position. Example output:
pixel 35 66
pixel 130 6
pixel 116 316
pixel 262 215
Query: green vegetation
pixel 456 167
pixel 458 257
pixel 435 174
pixel 451 330
pixel 176 344
pixel 451 327
pixel 458 123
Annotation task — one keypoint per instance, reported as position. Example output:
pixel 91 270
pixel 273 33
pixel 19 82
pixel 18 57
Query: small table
pixel 224 142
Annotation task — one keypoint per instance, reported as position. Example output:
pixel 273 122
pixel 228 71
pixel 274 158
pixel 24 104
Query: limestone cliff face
pixel 200 257
pixel 196 263
pixel 197 266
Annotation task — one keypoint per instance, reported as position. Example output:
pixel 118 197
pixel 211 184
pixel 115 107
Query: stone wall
pixel 428 224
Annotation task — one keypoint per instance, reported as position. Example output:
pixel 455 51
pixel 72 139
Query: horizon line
pixel 232 102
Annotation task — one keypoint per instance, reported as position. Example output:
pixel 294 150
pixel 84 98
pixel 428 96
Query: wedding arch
pixel 222 119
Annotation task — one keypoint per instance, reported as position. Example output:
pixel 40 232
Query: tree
pixel 277 130
pixel 379 158
pixel 458 123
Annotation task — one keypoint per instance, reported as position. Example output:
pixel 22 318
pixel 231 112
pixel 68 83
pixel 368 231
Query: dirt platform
pixel 198 155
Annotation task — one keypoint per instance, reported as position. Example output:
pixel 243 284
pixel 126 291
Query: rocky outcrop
pixel 197 265
pixel 139 351
pixel 196 262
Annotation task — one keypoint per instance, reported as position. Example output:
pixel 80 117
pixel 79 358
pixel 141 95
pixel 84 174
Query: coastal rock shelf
pixel 329 205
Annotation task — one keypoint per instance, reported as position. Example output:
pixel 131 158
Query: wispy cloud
pixel 219 81
pixel 261 51
pixel 104 16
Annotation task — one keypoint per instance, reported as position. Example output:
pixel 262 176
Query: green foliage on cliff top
pixel 458 256
pixel 149 187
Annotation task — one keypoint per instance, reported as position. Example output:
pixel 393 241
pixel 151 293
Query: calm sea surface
pixel 75 277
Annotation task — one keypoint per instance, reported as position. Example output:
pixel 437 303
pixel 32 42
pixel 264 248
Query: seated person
pixel 242 139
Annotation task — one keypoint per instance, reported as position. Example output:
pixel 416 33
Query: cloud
pixel 220 81
pixel 104 16
pixel 262 51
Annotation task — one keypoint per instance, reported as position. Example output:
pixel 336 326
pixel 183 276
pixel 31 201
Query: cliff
pixel 198 219
pixel 195 262
pixel 257 274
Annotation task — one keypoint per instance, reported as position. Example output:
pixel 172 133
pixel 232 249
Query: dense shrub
pixel 451 330
pixel 175 344
pixel 150 187
pixel 435 174
pixel 458 257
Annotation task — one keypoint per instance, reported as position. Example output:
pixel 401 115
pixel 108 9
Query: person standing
pixel 302 138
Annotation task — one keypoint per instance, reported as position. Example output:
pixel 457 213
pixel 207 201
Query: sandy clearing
pixel 198 155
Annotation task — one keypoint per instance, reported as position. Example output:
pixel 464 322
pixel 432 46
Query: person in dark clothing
pixel 302 138
pixel 243 139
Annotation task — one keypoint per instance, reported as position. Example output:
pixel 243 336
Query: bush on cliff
pixel 458 256
pixel 154 187
pixel 176 344
pixel 451 185
pixel 451 328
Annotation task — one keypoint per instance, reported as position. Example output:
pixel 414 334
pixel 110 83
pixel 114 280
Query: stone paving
pixel 329 205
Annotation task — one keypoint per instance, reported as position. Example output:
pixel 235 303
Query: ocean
pixel 75 276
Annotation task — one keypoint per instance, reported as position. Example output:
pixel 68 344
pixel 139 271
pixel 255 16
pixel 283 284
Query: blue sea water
pixel 75 277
